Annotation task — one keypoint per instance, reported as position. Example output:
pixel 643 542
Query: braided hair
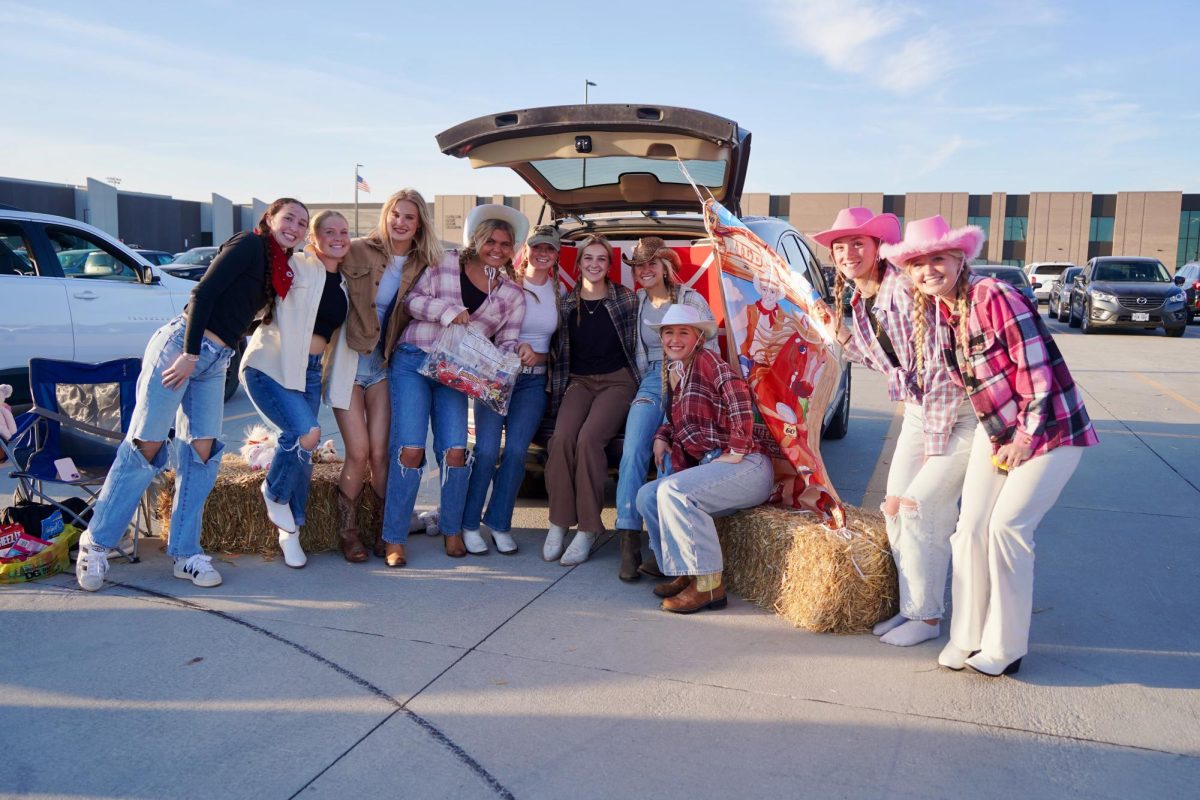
pixel 263 231
pixel 961 294
pixel 479 238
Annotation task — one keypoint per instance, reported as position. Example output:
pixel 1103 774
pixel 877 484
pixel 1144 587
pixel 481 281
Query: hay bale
pixel 235 517
pixel 818 579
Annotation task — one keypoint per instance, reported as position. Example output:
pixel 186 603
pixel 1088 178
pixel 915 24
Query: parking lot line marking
pixel 1169 392
pixel 878 481
pixel 235 417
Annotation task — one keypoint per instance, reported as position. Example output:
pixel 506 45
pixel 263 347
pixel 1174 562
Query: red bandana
pixel 770 315
pixel 281 270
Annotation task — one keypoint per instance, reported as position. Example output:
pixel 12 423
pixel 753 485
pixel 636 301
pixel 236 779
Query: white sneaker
pixel 280 514
pixel 553 547
pixel 198 569
pixel 505 545
pixel 92 564
pixel 293 553
pixel 475 543
pixel 579 549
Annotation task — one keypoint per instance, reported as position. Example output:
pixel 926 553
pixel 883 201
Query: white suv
pixel 1042 274
pixel 72 292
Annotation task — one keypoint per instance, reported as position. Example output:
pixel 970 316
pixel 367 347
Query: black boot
pixel 631 555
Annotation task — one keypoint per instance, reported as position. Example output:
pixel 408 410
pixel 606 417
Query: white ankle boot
pixel 293 553
pixel 552 549
pixel 579 549
pixel 475 543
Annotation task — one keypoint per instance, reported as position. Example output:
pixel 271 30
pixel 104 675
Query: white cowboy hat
pixel 514 218
pixel 680 314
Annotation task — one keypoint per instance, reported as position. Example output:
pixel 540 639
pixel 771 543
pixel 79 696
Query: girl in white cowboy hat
pixel 471 288
pixel 709 460
pixel 656 272
pixel 925 478
pixel 1032 434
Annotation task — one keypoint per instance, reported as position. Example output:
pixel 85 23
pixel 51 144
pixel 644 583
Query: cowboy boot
pixel 352 549
pixel 693 598
pixel 631 555
pixel 375 524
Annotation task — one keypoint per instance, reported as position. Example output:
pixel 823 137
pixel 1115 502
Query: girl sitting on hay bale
pixel 930 459
pixel 1032 434
pixel 281 371
pixel 708 459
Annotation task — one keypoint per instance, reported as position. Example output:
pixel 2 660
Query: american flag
pixel 362 184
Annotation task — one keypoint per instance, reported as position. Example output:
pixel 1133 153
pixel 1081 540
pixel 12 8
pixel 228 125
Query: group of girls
pixel 991 416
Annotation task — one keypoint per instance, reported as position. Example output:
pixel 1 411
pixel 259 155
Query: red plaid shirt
pixel 1021 386
pixel 711 408
pixel 893 312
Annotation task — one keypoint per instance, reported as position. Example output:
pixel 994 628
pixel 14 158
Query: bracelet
pixel 191 357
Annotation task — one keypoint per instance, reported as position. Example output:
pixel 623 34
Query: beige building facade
pixel 1022 228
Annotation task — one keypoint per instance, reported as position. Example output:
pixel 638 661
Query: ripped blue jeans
pixel 417 403
pixel 292 414
pixel 196 410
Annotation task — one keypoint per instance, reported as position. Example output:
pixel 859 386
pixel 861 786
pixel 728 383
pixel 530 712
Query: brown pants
pixel 592 412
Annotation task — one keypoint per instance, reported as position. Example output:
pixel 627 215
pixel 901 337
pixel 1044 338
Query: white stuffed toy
pixel 8 425
pixel 259 447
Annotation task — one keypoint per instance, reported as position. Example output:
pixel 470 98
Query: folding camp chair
pixel 81 412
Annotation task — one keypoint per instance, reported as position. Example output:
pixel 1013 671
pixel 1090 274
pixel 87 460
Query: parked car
pixel 193 264
pixel 1190 273
pixel 612 169
pixel 1060 291
pixel 1014 276
pixel 73 292
pixel 156 257
pixel 1127 292
pixel 1042 273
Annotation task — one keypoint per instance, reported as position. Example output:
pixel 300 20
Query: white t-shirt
pixel 541 316
pixel 389 284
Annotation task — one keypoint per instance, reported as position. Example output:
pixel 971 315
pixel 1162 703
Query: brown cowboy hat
pixel 649 248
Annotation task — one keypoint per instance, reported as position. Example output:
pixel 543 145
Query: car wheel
pixel 1072 320
pixel 1175 332
pixel 1085 323
pixel 1051 311
pixel 1062 313
pixel 231 374
pixel 839 424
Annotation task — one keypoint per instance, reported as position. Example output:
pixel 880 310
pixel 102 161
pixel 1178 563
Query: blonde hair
pixel 425 245
pixel 584 244
pixel 321 217
pixel 479 238
pixel 961 296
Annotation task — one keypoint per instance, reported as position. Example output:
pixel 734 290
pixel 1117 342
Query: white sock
pixel 883 627
pixel 912 632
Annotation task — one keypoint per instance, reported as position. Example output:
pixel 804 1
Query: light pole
pixel 357 167
pixel 586 84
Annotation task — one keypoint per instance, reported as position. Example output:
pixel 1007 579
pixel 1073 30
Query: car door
pixel 113 312
pixel 36 318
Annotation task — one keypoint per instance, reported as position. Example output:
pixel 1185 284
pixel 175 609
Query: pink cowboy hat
pixel 861 222
pixel 933 235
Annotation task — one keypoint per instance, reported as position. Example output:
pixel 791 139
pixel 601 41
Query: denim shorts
pixel 371 369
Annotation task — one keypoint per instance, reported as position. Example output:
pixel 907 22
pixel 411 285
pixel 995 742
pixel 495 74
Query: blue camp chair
pixel 81 412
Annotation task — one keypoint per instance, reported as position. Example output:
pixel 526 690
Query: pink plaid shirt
pixel 436 298
pixel 1021 385
pixel 893 311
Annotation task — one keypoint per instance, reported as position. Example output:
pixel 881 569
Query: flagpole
pixel 356 168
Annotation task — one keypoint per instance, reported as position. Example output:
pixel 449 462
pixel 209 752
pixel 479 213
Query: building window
pixel 1014 228
pixel 1014 262
pixel 1189 231
pixel 983 222
pixel 1101 229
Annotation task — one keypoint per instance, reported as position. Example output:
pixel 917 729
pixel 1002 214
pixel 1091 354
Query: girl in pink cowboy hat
pixel 927 468
pixel 1032 434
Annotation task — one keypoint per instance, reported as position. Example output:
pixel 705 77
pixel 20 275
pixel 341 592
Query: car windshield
pixel 575 173
pixel 1140 271
pixel 200 257
pixel 1010 275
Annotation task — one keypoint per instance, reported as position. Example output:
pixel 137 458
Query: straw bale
pixel 819 579
pixel 235 517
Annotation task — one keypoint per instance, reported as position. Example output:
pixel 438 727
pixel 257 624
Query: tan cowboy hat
pixel 649 248
pixel 682 314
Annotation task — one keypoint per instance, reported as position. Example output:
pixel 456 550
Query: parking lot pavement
pixel 500 676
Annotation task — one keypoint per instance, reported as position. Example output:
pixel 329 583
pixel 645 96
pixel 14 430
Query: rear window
pixel 575 173
pixel 1140 271
pixel 1050 269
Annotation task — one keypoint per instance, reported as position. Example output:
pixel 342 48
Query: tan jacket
pixel 362 269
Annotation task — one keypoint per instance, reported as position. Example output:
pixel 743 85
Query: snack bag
pixel 467 361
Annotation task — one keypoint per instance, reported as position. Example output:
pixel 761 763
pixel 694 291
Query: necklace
pixel 590 309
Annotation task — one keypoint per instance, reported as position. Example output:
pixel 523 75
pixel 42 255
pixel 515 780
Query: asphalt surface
pixel 511 677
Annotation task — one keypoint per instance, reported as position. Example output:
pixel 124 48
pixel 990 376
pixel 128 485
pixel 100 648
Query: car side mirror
pixel 150 278
pixel 1179 280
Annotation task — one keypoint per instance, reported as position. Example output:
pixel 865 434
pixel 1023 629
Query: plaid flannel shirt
pixel 436 299
pixel 711 408
pixel 622 307
pixel 1021 385
pixel 893 312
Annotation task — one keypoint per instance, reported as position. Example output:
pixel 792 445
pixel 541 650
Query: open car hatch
pixel 610 157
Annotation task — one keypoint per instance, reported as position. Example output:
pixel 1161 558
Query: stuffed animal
pixel 326 454
pixel 259 447
pixel 8 426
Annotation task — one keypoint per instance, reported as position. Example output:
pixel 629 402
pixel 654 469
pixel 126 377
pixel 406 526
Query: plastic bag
pixel 467 361
pixel 34 558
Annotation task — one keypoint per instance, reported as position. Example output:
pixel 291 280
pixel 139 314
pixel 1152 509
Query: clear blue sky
pixel 273 98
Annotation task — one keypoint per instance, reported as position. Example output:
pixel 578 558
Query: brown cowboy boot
pixel 374 527
pixel 691 600
pixel 673 587
pixel 352 549
pixel 631 555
